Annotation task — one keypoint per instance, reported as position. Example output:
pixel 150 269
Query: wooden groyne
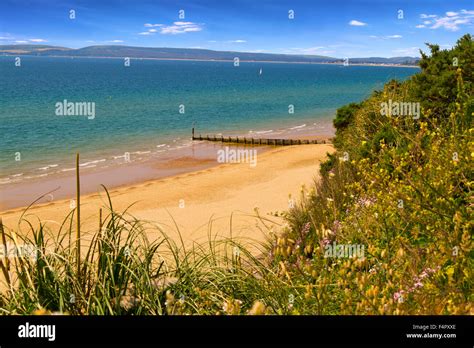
pixel 256 141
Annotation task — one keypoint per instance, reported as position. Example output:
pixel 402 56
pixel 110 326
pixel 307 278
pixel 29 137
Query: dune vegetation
pixel 399 188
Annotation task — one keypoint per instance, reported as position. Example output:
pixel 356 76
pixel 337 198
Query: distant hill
pixel 379 60
pixel 188 53
pixel 31 49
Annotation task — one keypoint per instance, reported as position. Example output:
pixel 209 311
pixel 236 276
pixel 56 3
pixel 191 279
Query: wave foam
pixel 86 164
pixel 299 127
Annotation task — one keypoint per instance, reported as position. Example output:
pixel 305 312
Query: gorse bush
pixel 398 190
pixel 402 187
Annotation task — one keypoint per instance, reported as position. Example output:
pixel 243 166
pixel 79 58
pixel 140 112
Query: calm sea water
pixel 137 108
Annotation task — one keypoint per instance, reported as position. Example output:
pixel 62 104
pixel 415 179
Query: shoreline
pixel 56 184
pixel 224 60
pixel 209 196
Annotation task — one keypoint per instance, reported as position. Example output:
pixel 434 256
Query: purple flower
pixel 306 228
pixel 398 296
pixel 365 202
pixel 325 242
pixel 336 226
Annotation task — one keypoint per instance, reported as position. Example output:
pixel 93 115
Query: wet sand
pixel 195 200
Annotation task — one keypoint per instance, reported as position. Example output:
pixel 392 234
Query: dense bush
pixel 404 193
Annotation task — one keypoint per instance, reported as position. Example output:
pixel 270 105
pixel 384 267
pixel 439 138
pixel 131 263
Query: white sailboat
pixel 261 71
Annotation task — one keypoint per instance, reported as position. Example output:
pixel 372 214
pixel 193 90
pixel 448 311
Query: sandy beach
pixel 214 198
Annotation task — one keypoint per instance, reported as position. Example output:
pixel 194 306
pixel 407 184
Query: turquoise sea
pixel 137 108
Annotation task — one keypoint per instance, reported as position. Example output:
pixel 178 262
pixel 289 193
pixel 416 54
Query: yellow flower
pixel 400 253
pixel 231 307
pixel 258 308
pixel 41 311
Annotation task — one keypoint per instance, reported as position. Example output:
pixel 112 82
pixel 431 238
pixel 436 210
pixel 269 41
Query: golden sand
pixel 197 199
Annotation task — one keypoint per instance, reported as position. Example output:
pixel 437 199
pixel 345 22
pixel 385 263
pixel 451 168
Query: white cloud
pixel 229 41
pixel 183 23
pixel 317 50
pixel 180 28
pixel 115 41
pixel 410 51
pixel 452 20
pixel 312 49
pixel 388 37
pixel 186 30
pixel 175 28
pixel 357 23
pixel 450 23
pixel 21 41
pixel 37 40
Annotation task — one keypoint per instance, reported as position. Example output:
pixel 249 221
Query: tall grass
pixel 121 271
pixel 78 218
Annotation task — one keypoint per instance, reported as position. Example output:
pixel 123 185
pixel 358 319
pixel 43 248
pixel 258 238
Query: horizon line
pixel 207 49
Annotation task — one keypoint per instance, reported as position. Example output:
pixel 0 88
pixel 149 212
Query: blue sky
pixel 351 28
